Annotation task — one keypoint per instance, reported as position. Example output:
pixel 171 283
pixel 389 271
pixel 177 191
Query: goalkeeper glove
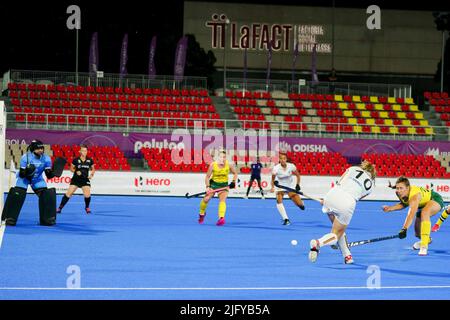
pixel 297 187
pixel 29 171
pixel 232 185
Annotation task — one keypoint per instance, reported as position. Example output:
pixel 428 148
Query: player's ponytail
pixel 370 168
pixel 391 185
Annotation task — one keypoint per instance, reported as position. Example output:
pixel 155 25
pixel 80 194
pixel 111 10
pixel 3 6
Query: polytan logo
pixel 141 181
pixel 59 180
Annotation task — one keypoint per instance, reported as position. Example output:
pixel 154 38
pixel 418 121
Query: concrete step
pixel 433 120
pixel 137 164
pixel 225 111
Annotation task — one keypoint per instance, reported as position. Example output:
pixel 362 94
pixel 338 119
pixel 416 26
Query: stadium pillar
pixel 332 36
pixel 76 58
pixel 224 57
pixel 444 39
pixel 442 61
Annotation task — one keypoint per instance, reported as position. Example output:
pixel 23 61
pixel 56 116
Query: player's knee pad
pixel 47 207
pixel 13 205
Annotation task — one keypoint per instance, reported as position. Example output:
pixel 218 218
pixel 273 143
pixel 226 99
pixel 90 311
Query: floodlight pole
pixel 227 21
pixel 76 58
pixel 442 60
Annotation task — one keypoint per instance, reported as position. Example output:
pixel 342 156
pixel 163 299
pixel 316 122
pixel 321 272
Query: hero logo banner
pixel 258 36
pixel 143 182
pixel 61 180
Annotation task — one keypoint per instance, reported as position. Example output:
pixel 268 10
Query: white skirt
pixel 340 204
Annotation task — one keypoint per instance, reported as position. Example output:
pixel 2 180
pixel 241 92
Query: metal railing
pixel 344 88
pixel 144 81
pixel 167 125
pixel 107 80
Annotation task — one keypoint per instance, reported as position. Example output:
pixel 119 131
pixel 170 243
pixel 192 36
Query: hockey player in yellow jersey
pixel 423 203
pixel 217 178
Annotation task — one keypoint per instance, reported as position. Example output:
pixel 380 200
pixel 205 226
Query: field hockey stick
pixel 297 192
pixel 264 190
pixel 361 242
pixel 188 196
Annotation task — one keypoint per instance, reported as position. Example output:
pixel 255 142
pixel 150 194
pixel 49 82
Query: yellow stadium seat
pixel 396 107
pixel 357 129
pixel 356 99
pixel 373 99
pixel 413 108
pixel 379 107
pixel 375 129
pixel 401 115
pixel 365 114
pixel 389 122
pixel 361 106
pixel 411 130
pixel 409 100
pixel 348 113
pixel 393 130
pixel 419 115
pixel 391 100
pixel 338 97
pixel 343 105
pixel 429 131
pixel 384 114
pixel 352 121
pixel 424 123
pixel 406 122
pixel 370 121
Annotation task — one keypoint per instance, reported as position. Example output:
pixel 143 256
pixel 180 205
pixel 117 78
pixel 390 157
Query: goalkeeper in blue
pixel 32 166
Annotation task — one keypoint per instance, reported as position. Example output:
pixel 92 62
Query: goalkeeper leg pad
pixel 47 207
pixel 13 205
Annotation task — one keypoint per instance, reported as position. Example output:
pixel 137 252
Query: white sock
pixel 328 240
pixel 282 211
pixel 343 245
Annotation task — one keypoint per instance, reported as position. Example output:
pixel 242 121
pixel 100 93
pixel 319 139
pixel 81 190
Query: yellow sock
pixel 442 218
pixel 425 229
pixel 203 206
pixel 222 209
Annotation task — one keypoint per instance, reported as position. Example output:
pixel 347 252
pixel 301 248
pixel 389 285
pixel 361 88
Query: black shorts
pixel 258 178
pixel 80 182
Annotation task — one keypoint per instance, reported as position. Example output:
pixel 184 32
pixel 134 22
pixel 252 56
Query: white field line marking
pixel 229 289
pixel 2 232
pixel 182 205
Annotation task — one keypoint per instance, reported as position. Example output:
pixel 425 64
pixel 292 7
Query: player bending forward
pixel 423 204
pixel 283 173
pixel 356 183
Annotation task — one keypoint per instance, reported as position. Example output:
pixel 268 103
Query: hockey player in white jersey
pixel 339 203
pixel 284 173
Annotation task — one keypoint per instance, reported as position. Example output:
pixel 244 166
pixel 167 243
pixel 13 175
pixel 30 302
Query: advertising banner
pixel 178 184
pixel 131 143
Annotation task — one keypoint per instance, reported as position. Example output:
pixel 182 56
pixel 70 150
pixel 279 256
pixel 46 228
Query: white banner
pixel 178 184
